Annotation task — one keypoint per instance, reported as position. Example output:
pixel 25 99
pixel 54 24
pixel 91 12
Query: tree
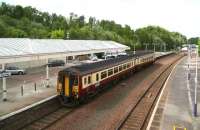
pixel 18 21
pixel 57 34
pixel 18 12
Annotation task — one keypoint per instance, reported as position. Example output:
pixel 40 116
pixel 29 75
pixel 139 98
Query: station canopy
pixel 25 49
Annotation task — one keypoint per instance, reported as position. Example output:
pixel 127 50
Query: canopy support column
pixel 47 74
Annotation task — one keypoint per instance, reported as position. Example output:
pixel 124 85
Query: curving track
pixel 137 118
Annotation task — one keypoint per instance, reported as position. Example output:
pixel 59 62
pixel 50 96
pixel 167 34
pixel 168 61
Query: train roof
pixel 97 66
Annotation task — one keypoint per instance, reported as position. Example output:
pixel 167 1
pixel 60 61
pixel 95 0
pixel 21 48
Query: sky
pixel 175 15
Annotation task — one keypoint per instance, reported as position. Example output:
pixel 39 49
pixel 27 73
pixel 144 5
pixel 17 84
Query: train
pixel 75 84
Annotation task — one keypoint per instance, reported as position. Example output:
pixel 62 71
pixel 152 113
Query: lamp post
pixel 134 49
pixel 154 47
pixel 160 47
pixel 164 47
pixel 195 92
pixel 146 47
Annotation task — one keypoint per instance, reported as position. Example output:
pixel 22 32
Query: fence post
pixel 22 90
pixel 35 87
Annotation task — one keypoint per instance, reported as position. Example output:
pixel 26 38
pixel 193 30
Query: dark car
pixel 55 63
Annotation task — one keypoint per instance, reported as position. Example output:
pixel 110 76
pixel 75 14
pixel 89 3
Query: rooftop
pixel 25 47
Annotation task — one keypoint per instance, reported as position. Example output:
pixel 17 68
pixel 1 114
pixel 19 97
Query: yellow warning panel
pixel 179 128
pixel 66 86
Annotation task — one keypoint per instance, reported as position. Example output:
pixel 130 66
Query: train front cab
pixel 68 87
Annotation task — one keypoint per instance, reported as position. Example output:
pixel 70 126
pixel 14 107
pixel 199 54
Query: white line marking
pixel 189 94
pixel 157 103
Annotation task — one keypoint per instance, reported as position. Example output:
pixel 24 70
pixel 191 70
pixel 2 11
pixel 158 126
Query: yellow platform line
pixel 174 127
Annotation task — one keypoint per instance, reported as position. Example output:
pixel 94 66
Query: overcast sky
pixel 175 15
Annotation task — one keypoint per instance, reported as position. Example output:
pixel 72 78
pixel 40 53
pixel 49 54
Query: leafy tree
pixel 57 34
pixel 18 21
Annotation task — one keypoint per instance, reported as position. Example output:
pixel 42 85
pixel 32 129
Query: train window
pixel 110 72
pixel 97 77
pixel 124 66
pixel 76 81
pixel 115 69
pixel 120 68
pixel 128 65
pixel 89 79
pixel 85 81
pixel 103 74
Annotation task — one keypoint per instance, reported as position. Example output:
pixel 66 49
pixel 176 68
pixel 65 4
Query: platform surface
pixel 178 108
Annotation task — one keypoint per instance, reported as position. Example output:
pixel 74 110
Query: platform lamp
pixel 195 92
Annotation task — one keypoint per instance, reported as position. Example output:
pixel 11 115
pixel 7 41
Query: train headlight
pixel 59 87
pixel 75 89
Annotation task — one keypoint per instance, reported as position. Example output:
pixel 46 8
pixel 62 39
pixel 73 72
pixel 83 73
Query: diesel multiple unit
pixel 78 82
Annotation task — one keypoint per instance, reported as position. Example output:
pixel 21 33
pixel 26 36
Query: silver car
pixel 4 74
pixel 15 70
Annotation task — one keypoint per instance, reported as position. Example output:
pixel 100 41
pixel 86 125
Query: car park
pixel 55 63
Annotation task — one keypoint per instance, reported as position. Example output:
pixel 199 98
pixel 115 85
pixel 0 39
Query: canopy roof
pixel 24 47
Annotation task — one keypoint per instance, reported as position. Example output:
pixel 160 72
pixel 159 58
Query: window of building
pixel 110 72
pixel 89 79
pixel 97 77
pixel 115 69
pixel 103 74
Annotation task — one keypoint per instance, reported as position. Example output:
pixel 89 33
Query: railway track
pixel 49 119
pixel 42 116
pixel 137 118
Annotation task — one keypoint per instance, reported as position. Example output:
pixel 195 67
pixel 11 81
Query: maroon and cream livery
pixel 78 82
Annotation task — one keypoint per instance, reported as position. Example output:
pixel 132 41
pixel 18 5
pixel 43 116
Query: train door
pixel 63 87
pixel 74 85
pixel 67 86
pixel 71 85
pixel 61 84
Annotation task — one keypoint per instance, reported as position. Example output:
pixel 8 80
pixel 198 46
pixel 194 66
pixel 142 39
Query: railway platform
pixel 30 96
pixel 175 107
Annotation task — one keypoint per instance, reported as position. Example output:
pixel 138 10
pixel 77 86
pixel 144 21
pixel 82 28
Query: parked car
pixel 93 58
pixel 4 74
pixel 109 57
pixel 55 63
pixel 15 70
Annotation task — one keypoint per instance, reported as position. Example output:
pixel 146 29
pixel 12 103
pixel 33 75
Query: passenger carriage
pixel 78 82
